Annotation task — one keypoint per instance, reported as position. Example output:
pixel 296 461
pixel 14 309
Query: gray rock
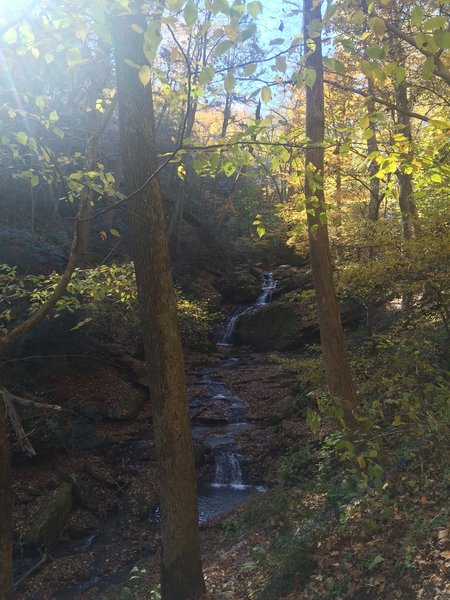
pixel 51 517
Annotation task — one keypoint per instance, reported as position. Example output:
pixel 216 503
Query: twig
pixel 31 570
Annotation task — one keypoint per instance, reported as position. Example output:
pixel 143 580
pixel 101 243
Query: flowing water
pixel 228 487
pixel 218 417
pixel 268 286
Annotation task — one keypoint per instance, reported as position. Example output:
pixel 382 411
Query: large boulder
pixel 288 325
pixel 291 279
pixel 240 287
pixel 51 517
pixel 278 326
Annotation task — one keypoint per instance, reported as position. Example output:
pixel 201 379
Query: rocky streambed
pixel 96 478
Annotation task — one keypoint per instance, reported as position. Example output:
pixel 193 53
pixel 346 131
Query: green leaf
pixel 260 230
pixel 364 122
pixel 399 74
pixel 266 94
pixel 174 5
pixel 313 420
pixel 229 83
pixel 145 75
pixel 22 138
pixel 436 178
pixel 221 6
pixel 442 38
pixel 53 116
pixel 428 67
pixel 34 181
pixel 73 57
pixel 190 13
pixel 222 47
pixel 375 562
pixel 434 23
pixel 152 39
pixel 132 64
pixel 397 421
pixel 10 36
pixel 417 15
pixel 207 75
pixel 254 9
pixel 229 168
pixel 310 77
pixel 375 52
pixel 250 69
pixel 115 233
pixel 40 103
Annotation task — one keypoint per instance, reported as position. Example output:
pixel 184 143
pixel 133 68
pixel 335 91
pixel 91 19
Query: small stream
pixel 219 431
pixel 218 418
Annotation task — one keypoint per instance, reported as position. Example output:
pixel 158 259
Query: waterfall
pixel 228 471
pixel 268 286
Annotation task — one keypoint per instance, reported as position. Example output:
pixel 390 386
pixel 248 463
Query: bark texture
pixel 338 374
pixel 181 572
pixel 5 510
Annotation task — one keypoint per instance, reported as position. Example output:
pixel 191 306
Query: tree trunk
pixel 181 572
pixel 226 114
pixel 5 510
pixel 405 187
pixel 375 197
pixel 372 146
pixel 337 368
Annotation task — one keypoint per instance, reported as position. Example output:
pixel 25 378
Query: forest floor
pixel 292 542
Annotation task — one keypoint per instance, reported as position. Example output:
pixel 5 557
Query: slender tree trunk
pixel 374 199
pixel 372 146
pixel 226 114
pixel 5 510
pixel 181 572
pixel 405 187
pixel 338 374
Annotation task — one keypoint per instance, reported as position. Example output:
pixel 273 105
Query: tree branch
pixel 441 69
pixel 386 103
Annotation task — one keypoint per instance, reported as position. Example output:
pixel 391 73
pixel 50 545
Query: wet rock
pixel 128 408
pixel 278 326
pixel 51 517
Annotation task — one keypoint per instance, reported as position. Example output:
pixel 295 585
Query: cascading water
pixel 228 471
pixel 268 286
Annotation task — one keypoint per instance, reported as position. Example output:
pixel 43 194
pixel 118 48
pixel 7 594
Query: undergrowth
pixel 369 502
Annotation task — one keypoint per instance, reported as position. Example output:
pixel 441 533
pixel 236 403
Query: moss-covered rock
pixel 51 517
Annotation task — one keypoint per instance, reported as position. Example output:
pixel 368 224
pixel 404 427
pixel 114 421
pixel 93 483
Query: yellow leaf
pixel 145 75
